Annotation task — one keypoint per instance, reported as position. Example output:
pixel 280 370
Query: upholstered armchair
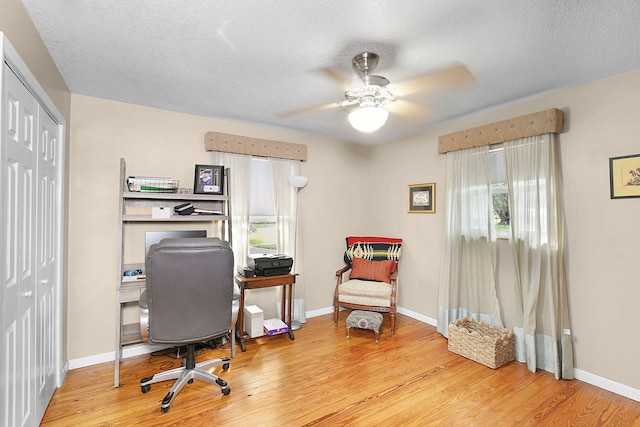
pixel 369 280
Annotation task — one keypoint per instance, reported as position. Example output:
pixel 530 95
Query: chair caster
pixel 190 381
pixel 226 391
pixel 145 388
pixel 225 367
pixel 221 382
pixel 166 402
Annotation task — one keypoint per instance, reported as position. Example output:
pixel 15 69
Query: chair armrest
pixel 343 270
pixel 394 276
pixel 142 302
pixel 394 287
pixel 339 274
pixel 144 316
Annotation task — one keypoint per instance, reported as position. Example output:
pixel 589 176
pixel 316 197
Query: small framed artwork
pixel 422 198
pixel 624 176
pixel 208 179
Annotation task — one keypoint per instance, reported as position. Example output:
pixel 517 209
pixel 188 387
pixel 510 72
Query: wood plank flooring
pixel 323 379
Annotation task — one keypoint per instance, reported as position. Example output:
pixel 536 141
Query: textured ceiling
pixel 250 60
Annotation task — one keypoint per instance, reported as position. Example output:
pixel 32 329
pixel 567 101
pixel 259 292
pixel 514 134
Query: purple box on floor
pixel 275 326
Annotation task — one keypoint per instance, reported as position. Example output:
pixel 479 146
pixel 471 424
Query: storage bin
pixel 481 342
pixel 253 321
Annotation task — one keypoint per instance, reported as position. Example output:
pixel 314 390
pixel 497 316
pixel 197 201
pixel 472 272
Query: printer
pixel 270 265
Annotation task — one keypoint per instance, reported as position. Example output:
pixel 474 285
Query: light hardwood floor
pixel 323 379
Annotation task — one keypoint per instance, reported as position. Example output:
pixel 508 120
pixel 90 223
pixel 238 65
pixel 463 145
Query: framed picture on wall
pixel 422 198
pixel 624 176
pixel 208 179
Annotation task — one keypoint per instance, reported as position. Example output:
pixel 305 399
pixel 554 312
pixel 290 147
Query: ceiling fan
pixel 373 96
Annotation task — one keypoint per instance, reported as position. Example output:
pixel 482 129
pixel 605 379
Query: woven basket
pixel 481 342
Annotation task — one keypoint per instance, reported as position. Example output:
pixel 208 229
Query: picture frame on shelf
pixel 624 176
pixel 422 198
pixel 208 179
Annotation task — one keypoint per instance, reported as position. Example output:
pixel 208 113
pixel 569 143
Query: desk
pixel 286 281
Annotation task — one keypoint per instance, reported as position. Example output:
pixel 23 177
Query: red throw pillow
pixel 378 271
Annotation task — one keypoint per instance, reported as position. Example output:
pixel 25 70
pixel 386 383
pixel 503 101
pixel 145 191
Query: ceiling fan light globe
pixel 368 119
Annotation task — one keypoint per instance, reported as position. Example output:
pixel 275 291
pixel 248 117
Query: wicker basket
pixel 481 342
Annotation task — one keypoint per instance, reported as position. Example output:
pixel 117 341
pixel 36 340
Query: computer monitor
pixel 152 237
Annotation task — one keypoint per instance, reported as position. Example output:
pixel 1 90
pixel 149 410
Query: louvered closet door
pixel 18 192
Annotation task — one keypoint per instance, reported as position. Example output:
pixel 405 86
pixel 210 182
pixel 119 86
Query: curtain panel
pixel 239 188
pixel 467 279
pixel 285 199
pixel 541 318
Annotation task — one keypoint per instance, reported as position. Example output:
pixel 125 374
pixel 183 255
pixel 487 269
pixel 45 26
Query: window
pixel 500 191
pixel 262 219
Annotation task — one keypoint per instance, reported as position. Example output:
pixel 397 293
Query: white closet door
pixel 47 261
pixel 18 192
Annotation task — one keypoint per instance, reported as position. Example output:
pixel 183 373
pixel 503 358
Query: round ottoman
pixel 365 320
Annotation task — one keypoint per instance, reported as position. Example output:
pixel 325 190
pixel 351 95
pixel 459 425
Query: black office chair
pixel 189 295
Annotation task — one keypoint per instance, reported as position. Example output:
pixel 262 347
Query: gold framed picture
pixel 624 176
pixel 422 198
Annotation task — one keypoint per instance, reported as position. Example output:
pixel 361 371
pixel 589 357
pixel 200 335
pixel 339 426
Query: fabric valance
pixel 540 123
pixel 227 143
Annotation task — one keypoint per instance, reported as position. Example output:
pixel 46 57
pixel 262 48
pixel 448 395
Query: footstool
pixel 365 320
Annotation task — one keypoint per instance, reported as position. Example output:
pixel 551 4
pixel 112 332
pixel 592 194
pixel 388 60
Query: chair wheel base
pixel 187 375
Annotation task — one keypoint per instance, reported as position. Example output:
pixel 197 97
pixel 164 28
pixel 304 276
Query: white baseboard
pixel 136 350
pixel 421 317
pixel 604 383
pixel 320 312
pixel 130 351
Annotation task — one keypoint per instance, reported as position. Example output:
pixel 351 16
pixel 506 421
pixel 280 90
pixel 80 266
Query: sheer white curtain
pixel 467 279
pixel 239 190
pixel 541 318
pixel 285 199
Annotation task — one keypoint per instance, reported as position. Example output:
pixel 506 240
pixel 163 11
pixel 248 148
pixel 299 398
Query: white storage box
pixel 161 212
pixel 253 321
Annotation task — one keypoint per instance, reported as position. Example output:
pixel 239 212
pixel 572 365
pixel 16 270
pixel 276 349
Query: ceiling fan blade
pixel 408 109
pixel 308 110
pixel 457 74
pixel 338 78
